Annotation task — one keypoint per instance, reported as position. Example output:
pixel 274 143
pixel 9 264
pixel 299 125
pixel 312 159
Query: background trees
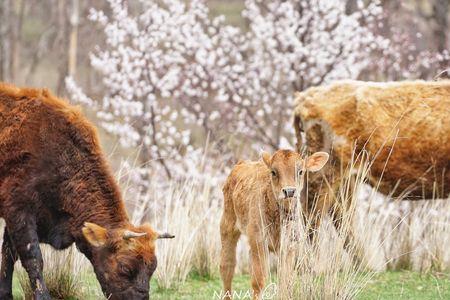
pixel 172 70
pixel 171 75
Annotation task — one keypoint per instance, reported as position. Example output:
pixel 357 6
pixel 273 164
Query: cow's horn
pixel 166 236
pixel 128 234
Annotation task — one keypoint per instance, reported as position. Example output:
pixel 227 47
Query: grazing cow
pixel 257 197
pixel 56 188
pixel 403 126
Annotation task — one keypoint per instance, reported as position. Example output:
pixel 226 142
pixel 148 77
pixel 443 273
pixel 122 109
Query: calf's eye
pixel 274 174
pixel 300 172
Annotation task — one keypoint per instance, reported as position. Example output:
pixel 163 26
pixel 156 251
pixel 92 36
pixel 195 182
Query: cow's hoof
pixel 42 296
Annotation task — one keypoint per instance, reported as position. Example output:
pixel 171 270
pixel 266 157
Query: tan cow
pixel 257 195
pixel 403 126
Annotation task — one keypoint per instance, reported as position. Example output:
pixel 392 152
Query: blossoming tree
pixel 173 74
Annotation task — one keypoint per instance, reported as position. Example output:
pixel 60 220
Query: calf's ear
pixel 316 161
pixel 96 235
pixel 267 159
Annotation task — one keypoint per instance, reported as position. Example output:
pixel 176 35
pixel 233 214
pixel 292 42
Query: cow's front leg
pixel 317 206
pixel 342 221
pixel 9 257
pixel 258 256
pixel 23 234
pixel 342 215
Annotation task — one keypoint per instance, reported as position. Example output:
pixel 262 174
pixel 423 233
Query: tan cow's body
pixel 258 196
pixel 403 126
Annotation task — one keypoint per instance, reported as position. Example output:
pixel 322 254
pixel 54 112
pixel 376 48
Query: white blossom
pixel 172 68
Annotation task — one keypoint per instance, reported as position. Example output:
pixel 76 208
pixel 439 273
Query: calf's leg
pixel 9 257
pixel 229 238
pixel 23 233
pixel 258 256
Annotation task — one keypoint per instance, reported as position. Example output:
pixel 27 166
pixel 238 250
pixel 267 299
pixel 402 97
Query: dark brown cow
pixel 56 188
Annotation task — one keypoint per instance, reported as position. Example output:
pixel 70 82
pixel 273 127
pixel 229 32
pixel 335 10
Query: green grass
pixel 407 285
pixel 197 287
pixel 386 285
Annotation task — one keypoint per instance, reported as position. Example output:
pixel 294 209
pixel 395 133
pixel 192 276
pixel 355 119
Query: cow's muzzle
pixel 129 294
pixel 289 191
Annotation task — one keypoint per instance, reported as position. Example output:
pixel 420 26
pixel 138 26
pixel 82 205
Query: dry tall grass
pixel 62 274
pixel 388 234
pixel 326 268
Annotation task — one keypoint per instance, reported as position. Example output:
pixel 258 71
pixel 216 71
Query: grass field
pixel 390 235
pixel 414 243
pixel 384 285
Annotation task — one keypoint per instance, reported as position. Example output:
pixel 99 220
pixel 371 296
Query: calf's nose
pixel 289 191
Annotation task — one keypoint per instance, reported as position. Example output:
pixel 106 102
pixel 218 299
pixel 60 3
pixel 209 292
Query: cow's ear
pixel 316 161
pixel 267 159
pixel 96 235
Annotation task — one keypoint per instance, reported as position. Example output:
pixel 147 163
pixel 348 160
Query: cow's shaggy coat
pixel 403 126
pixel 56 188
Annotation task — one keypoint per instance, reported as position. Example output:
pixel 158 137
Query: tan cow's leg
pixel 342 215
pixel 258 256
pixel 229 237
pixel 312 221
pixel 342 223
pixel 315 211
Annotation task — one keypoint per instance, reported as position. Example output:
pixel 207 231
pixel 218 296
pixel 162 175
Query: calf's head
pixel 288 168
pixel 123 259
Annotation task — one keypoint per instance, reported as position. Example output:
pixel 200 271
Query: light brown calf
pixel 256 197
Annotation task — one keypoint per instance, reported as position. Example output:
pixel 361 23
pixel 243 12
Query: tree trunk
pixel 74 22
pixel 440 15
pixel 5 38
pixel 16 40
pixel 62 42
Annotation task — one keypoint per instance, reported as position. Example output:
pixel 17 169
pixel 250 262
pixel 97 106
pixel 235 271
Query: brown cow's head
pixel 123 259
pixel 288 169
